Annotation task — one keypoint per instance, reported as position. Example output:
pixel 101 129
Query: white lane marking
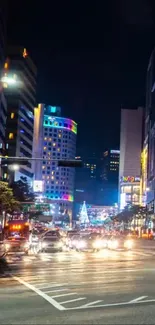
pixel 65 294
pixel 138 299
pixel 114 304
pixel 59 290
pixel 142 253
pixel 66 302
pixel 53 286
pixel 92 303
pixel 40 293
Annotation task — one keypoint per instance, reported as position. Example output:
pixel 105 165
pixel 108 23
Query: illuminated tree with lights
pixel 83 214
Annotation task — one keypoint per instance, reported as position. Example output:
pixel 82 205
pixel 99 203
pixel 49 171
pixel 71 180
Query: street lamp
pixel 14 167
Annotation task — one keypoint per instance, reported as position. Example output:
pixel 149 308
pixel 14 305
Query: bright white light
pixel 15 167
pixel 98 243
pixel 81 244
pixel 9 80
pixel 147 189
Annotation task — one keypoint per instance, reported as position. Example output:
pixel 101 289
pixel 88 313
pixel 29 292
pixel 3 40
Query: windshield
pixel 50 238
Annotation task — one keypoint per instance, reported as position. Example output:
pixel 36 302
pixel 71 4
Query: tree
pixel 131 212
pixel 8 202
pixel 22 190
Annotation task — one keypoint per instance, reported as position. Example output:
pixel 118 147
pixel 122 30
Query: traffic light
pixel 70 163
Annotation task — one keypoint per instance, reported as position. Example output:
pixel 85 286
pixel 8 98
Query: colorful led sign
pixel 65 197
pixel 130 179
pixel 60 123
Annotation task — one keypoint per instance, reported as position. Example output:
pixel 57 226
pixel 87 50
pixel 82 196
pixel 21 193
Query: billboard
pixel 130 179
pixel 38 186
pixel 122 201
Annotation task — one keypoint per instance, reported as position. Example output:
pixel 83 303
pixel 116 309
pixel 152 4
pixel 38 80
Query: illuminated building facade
pixel 3 104
pixel 55 138
pixel 149 138
pixel 19 82
pixel 130 157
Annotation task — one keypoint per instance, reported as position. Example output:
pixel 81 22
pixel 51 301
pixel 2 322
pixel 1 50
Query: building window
pixel 12 115
pixel 11 136
pixel 126 189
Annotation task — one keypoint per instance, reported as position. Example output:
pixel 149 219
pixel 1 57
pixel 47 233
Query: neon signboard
pixel 38 186
pixel 115 151
pixel 60 123
pixel 130 179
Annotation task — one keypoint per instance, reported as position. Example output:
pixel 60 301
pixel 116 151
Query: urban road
pixel 108 287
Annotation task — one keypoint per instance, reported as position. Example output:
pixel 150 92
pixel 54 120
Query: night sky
pixel 91 58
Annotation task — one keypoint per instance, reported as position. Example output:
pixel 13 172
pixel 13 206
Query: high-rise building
pixel 110 166
pixel 109 171
pixel 54 139
pixel 19 82
pixel 3 104
pixel 130 156
pixel 86 180
pixel 148 156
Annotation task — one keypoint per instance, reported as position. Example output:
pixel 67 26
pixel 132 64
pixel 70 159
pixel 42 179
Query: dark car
pixel 120 242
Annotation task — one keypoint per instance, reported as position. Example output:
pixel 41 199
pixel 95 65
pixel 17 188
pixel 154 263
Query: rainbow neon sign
pixel 60 123
pixel 65 197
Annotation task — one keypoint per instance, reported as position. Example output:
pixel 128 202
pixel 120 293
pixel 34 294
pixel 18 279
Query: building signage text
pixel 130 179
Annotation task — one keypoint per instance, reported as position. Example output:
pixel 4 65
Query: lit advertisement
pixel 60 123
pixel 38 186
pixel 130 179
pixel 117 152
pixel 122 201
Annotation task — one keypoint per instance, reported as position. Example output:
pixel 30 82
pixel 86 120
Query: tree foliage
pixel 130 212
pixel 8 202
pixel 22 190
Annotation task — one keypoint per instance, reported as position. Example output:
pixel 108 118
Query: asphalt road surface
pixel 108 287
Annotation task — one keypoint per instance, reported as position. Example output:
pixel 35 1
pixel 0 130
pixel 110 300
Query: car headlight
pixel 7 246
pixel 98 243
pixel 81 244
pixel 26 245
pixel 60 244
pixel 115 244
pixel 128 243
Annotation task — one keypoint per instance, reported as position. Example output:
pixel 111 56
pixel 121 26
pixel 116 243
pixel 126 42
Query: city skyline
pixel 86 65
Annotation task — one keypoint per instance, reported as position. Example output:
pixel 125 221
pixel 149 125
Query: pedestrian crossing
pixel 72 280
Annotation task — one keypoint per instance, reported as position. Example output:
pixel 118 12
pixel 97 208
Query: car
pixel 72 241
pixel 51 233
pixel 17 244
pixel 120 242
pixel 89 242
pixel 51 243
pixel 105 239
